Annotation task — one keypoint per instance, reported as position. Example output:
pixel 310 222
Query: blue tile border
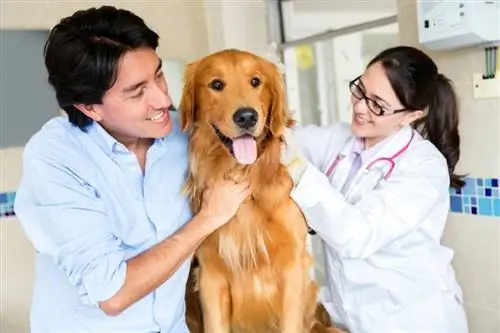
pixel 7 204
pixel 480 196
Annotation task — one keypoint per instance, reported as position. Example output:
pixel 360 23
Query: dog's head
pixel 240 97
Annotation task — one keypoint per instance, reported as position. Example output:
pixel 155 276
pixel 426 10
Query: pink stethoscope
pixel 389 160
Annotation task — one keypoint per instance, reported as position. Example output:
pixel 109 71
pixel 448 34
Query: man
pixel 100 197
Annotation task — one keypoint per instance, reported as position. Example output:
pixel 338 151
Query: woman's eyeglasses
pixel 373 105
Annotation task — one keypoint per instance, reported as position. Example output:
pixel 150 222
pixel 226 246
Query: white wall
pixel 182 27
pixel 236 24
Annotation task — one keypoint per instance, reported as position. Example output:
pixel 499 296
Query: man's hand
pixel 221 202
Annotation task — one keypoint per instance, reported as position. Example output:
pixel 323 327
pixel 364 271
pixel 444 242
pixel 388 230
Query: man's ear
pixel 89 110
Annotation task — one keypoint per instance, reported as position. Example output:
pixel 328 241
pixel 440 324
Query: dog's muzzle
pixel 244 146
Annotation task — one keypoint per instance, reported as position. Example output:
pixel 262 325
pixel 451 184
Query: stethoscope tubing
pixel 390 160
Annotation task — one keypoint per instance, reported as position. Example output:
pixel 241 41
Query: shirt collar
pixel 108 143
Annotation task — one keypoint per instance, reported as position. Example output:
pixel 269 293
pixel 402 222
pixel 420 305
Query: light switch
pixel 486 88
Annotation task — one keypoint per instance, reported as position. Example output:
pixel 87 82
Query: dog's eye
pixel 217 85
pixel 255 82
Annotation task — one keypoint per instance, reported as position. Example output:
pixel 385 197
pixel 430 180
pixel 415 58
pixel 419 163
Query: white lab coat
pixel 386 270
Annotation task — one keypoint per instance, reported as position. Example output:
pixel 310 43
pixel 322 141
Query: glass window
pixel 303 18
pixel 318 73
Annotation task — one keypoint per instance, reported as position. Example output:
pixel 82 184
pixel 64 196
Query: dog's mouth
pixel 243 147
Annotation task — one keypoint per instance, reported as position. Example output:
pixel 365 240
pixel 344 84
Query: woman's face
pixel 372 94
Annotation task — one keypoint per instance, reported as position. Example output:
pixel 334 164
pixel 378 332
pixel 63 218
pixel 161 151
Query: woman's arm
pixel 382 215
pixel 314 141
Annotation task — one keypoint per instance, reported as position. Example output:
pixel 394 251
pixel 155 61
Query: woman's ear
pixel 413 117
pixel 187 105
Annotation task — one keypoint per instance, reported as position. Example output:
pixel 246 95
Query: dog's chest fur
pixel 258 230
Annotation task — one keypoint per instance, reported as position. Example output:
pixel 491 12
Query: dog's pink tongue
pixel 245 149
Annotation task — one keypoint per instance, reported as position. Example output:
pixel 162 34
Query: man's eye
pixel 139 94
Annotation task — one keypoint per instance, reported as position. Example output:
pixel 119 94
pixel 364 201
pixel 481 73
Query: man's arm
pixel 160 262
pixel 64 217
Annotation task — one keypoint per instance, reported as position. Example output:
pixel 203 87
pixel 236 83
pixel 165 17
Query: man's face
pixel 137 104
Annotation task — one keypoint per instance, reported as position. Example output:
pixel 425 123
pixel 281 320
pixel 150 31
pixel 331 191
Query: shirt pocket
pixel 171 215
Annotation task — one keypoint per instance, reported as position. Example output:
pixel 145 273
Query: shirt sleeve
pixel 65 218
pixel 381 216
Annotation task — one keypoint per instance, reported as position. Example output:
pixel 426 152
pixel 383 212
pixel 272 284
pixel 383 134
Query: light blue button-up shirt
pixel 87 208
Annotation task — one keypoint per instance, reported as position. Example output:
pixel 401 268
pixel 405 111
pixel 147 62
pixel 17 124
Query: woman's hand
pixel 221 202
pixel 292 157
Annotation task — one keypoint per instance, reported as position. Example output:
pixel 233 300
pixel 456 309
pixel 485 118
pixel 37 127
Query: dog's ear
pixel 279 115
pixel 187 105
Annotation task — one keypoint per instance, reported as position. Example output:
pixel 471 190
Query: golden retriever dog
pixel 252 274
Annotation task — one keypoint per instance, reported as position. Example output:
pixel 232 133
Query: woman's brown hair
pixel 419 86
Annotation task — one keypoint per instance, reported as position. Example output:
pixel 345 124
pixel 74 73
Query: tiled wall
pixel 7 204
pixel 480 196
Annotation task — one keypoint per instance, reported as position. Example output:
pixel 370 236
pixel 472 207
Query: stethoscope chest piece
pixel 366 181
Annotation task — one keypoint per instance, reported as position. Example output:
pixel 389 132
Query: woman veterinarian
pixel 376 193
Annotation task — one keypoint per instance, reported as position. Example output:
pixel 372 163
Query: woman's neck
pixel 370 142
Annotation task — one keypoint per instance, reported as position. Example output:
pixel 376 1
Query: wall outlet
pixel 486 88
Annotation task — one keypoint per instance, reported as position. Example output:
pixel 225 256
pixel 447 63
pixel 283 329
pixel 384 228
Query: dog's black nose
pixel 245 118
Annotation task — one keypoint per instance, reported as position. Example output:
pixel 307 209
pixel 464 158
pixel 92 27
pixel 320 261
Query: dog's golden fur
pixel 253 273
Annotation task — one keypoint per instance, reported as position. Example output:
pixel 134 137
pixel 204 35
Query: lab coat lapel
pixel 393 145
pixel 339 176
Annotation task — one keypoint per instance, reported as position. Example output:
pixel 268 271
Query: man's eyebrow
pixel 135 86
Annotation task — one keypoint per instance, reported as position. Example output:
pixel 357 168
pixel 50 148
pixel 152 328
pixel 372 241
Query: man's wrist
pixel 207 221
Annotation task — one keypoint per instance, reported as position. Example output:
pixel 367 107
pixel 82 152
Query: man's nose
pixel 160 98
